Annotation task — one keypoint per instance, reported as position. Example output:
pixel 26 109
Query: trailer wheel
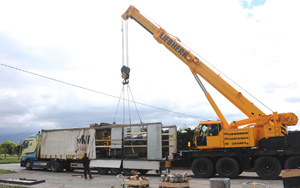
pixel 228 167
pixel 203 167
pixel 115 171
pixel 293 162
pixel 28 165
pixel 103 171
pixel 54 166
pixel 267 167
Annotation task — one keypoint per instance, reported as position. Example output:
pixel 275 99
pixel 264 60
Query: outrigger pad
pixel 22 181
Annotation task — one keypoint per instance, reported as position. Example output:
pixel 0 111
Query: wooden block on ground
pixel 290 173
pixel 137 182
pixel 175 185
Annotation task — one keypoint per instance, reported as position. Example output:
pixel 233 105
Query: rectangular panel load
pixel 154 144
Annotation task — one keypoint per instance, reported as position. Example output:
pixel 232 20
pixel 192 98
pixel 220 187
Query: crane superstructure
pixel 260 141
pixel 259 125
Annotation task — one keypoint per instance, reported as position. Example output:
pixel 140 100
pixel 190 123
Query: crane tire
pixel 267 167
pixel 203 167
pixel 293 162
pixel 228 167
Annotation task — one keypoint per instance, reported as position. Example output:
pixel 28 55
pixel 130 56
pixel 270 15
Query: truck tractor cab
pixel 29 150
pixel 207 135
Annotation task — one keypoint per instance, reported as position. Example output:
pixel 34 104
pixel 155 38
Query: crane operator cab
pixel 207 135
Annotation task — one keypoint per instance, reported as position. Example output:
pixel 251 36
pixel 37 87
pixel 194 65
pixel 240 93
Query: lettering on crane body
pixel 238 133
pixel 239 143
pixel 173 44
pixel 239 138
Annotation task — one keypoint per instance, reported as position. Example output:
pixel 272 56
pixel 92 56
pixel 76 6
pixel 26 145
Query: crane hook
pixel 125 74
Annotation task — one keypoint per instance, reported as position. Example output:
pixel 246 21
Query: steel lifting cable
pixel 129 115
pixel 125 47
pixel 125 61
pixel 125 74
pixel 124 50
pixel 118 105
pixel 123 104
pixel 126 41
pixel 127 64
pixel 135 104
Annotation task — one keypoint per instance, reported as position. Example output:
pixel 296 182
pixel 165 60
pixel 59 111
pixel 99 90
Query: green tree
pixel 185 135
pixel 17 150
pixel 7 148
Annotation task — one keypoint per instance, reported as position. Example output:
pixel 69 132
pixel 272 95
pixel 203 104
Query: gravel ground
pixel 72 179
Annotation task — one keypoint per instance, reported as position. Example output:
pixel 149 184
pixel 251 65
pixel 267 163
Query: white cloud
pixel 81 42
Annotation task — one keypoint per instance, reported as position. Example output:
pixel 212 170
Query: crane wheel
pixel 203 167
pixel 228 167
pixel 293 162
pixel 267 167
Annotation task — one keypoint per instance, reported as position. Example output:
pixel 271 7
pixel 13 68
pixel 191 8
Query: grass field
pixel 5 171
pixel 10 186
pixel 9 159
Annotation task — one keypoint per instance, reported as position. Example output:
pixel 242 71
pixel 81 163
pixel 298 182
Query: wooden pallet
pixel 290 173
pixel 175 185
pixel 137 183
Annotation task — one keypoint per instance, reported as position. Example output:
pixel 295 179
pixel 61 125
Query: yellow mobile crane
pixel 226 148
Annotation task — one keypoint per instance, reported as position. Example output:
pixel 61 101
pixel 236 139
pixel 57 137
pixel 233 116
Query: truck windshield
pixel 25 144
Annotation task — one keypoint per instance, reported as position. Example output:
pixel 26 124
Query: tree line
pixel 9 148
pixel 184 136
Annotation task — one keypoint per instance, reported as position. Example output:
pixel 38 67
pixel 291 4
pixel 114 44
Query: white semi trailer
pixel 111 148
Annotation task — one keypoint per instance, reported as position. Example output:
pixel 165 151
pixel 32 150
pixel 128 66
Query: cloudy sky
pixel 254 42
